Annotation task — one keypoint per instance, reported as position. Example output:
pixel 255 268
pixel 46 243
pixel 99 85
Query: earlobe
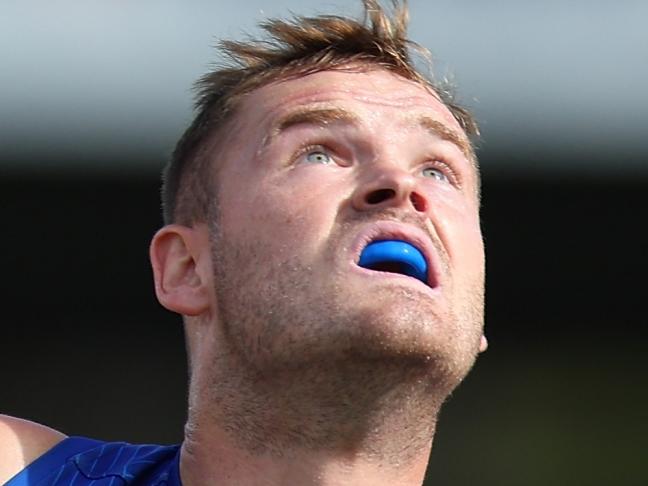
pixel 483 344
pixel 178 256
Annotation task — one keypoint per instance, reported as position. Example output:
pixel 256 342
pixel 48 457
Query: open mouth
pixel 395 256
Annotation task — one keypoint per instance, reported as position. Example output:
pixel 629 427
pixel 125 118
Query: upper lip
pixel 392 230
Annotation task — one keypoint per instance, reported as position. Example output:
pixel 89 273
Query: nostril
pixel 376 197
pixel 418 202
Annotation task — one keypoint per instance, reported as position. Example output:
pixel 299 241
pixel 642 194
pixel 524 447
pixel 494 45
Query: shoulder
pixel 21 442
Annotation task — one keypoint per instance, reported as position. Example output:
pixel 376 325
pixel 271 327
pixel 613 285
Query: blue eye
pixel 319 157
pixel 435 173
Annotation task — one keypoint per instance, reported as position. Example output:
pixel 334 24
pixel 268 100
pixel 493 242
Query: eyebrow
pixel 318 117
pixel 441 130
pixel 326 116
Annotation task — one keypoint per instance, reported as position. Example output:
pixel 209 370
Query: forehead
pixel 366 92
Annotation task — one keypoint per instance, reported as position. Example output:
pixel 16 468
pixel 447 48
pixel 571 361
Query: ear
pixel 181 262
pixel 483 344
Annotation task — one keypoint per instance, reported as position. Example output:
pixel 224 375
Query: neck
pixel 213 459
pixel 360 423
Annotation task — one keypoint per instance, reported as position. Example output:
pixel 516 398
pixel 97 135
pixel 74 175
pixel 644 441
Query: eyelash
pixel 302 152
pixel 436 162
pixel 450 173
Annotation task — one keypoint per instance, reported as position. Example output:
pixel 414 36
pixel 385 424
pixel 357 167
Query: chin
pixel 413 330
pixel 275 324
pixel 402 315
pixel 406 329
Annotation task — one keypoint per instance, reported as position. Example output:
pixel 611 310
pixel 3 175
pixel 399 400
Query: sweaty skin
pixel 306 368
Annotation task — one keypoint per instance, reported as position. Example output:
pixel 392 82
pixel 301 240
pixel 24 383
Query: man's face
pixel 316 168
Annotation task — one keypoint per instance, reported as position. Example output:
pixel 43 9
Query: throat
pixel 383 411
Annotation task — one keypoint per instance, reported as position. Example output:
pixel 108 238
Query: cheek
pixel 457 223
pixel 471 246
pixel 281 212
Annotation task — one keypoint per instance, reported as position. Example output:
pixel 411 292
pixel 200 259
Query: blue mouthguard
pixel 395 251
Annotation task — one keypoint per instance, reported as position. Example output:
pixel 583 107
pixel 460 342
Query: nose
pixel 389 187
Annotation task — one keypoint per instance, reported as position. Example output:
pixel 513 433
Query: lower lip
pixel 410 281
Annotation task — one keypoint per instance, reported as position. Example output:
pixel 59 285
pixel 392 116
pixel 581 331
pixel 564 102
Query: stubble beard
pixel 307 365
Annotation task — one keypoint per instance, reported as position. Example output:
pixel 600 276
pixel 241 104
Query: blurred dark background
pixel 561 396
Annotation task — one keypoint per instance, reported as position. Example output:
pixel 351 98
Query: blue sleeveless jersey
pixel 77 461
